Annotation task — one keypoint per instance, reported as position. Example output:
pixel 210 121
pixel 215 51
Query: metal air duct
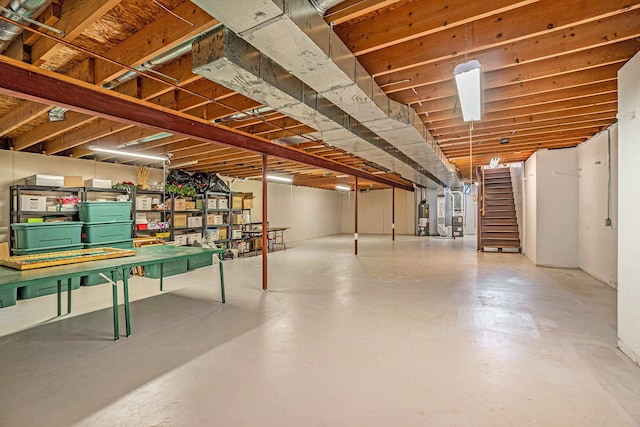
pixel 226 59
pixel 292 34
pixel 23 8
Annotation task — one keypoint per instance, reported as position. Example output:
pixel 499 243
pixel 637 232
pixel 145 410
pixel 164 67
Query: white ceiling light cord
pixel 471 152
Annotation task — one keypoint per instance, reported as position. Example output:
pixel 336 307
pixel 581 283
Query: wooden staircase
pixel 498 219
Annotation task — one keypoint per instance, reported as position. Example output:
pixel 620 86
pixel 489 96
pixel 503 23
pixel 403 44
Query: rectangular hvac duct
pixel 294 36
pixel 226 59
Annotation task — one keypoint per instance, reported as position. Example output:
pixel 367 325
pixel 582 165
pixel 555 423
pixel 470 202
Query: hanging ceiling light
pixel 343 188
pixel 494 162
pixel 467 77
pixel 128 153
pixel 280 178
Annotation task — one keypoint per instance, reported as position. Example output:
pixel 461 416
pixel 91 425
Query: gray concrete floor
pixel 417 332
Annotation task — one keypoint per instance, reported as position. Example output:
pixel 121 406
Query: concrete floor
pixel 419 332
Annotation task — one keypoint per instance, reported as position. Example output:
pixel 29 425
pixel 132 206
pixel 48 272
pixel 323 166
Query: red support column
pixel 355 235
pixel 265 241
pixel 393 214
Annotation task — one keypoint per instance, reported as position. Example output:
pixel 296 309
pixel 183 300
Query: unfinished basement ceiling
pixel 549 80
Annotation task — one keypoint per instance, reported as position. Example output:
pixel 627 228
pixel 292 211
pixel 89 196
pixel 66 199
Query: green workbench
pixel 115 268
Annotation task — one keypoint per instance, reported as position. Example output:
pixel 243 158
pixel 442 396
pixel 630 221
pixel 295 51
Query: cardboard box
pixel 194 221
pixel 222 233
pixel 48 180
pixel 236 234
pixel 236 201
pixel 190 205
pixel 212 203
pixel 217 220
pixel 179 220
pixel 238 219
pixel 194 238
pixel 143 203
pixel 223 204
pixel 256 243
pixel 179 204
pixel 180 239
pixel 247 203
pixel 214 234
pixel 4 249
pixel 33 203
pixel 97 183
pixel 73 181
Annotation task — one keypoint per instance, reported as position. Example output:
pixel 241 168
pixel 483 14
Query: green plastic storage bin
pixel 8 297
pixel 199 261
pixel 104 211
pixel 47 234
pixel 170 269
pixel 107 232
pixel 45 287
pixel 45 250
pixel 96 279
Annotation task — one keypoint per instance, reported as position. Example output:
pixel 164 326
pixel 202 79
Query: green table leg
pixel 222 280
pixel 161 275
pixel 116 329
pixel 69 295
pixel 59 297
pixel 125 281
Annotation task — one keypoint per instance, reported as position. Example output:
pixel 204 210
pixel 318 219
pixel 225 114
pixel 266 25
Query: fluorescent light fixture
pixel 279 178
pixel 182 165
pixel 494 162
pixel 155 137
pixel 128 153
pixel 468 82
pixel 343 188
pixel 342 176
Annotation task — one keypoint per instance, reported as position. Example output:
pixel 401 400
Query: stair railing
pixel 480 204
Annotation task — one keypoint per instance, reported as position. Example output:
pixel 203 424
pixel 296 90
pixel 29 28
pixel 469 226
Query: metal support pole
pixel 265 243
pixel 355 232
pixel 393 214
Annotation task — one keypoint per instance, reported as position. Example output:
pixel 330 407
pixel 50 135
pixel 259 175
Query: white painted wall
pixel 309 212
pixel 16 166
pixel 628 209
pixel 557 205
pixel 598 254
pixel 530 204
pixel 374 212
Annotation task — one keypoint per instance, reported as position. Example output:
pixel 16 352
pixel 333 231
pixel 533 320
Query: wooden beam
pixel 162 34
pixel 353 9
pixel 50 16
pixel 418 19
pixel 21 115
pixel 518 88
pixel 75 17
pixel 546 18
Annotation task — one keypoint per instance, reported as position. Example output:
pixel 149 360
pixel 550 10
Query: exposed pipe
pixel 23 8
pixel 323 5
pixel 171 54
